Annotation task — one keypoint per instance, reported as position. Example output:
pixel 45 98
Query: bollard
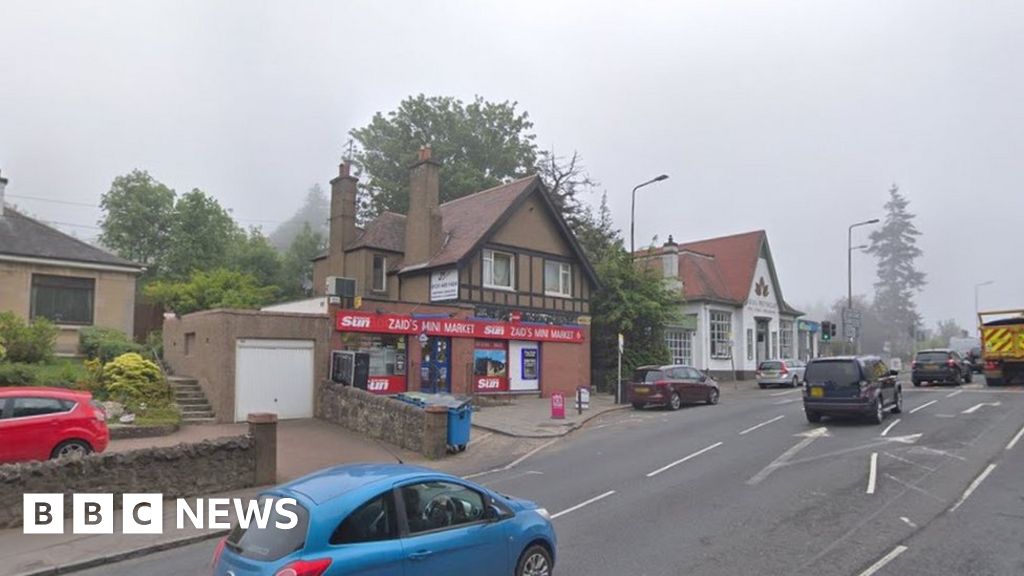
pixel 263 431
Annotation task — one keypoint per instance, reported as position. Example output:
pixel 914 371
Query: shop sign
pixel 386 384
pixel 444 285
pixel 490 367
pixel 490 384
pixel 356 321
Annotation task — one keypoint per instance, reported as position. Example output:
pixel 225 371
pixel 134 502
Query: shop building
pixel 486 294
pixel 733 313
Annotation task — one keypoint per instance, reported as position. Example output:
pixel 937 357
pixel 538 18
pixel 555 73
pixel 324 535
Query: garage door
pixel 274 376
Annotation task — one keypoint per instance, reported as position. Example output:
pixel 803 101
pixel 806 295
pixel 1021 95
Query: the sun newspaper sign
pixel 356 321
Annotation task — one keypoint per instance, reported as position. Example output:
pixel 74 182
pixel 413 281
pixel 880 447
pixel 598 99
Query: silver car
pixel 780 373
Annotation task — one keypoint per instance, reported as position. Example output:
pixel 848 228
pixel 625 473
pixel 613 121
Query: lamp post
pixel 976 286
pixel 632 211
pixel 849 277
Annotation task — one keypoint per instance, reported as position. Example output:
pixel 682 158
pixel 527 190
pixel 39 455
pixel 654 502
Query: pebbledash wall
pixel 185 470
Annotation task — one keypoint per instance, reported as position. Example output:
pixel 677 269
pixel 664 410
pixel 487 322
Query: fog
pixel 791 116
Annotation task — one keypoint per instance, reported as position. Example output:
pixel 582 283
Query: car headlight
pixel 544 513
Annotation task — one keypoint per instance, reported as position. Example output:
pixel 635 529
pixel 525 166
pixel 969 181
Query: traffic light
pixel 826 331
pixel 832 329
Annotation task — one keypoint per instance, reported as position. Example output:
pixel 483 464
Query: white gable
pixel 764 293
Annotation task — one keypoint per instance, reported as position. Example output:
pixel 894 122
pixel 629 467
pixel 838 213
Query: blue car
pixel 391 520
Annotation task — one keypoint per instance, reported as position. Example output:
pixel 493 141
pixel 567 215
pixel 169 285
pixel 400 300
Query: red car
pixel 671 386
pixel 41 423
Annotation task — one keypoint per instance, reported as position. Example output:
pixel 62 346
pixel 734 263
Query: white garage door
pixel 274 376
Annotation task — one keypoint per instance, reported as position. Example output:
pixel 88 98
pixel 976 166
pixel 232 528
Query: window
pixel 557 278
pixel 380 273
pixel 750 343
pixel 648 376
pixel 786 331
pixel 498 270
pixel 439 505
pixel 372 522
pixel 25 407
pixel 680 345
pixel 271 543
pixel 63 299
pixel 721 327
pixel 775 344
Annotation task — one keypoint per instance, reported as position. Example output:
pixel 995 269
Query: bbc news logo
pixel 144 513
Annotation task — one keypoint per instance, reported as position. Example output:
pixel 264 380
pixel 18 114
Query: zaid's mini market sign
pixel 355 321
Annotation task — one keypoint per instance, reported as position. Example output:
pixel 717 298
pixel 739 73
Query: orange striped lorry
pixel 1002 339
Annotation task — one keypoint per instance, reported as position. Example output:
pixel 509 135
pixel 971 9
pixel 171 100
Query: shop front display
pixel 490 367
pixel 385 359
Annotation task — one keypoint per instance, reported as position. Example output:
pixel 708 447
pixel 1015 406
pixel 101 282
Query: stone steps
pixel 191 401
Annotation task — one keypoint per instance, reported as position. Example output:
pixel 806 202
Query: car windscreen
pixel 839 372
pixel 270 542
pixel 648 376
pixel 770 366
pixel 932 357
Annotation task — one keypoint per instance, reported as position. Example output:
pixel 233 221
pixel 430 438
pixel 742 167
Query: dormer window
pixel 499 271
pixel 380 273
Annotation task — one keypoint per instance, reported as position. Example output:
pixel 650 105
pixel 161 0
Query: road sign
pixel 849 331
pixel 852 317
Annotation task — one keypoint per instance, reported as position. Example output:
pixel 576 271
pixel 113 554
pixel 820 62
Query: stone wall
pixel 185 470
pixel 383 418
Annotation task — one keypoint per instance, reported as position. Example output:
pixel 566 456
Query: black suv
pixel 861 385
pixel 940 365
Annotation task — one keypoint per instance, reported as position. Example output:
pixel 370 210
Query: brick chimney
pixel 423 222
pixel 343 217
pixel 3 187
pixel 670 264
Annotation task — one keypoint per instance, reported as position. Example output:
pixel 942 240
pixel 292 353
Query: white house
pixel 734 314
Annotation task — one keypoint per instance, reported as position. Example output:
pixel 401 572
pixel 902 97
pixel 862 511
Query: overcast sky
pixel 792 116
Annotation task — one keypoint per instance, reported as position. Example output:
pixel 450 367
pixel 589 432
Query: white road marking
pixel 515 462
pixel 974 486
pixel 1015 439
pixel 809 436
pixel 884 560
pixel 752 428
pixel 681 460
pixel 784 393
pixel 582 504
pixel 889 427
pixel 952 394
pixel 923 406
pixel 908 522
pixel 908 439
pixel 873 473
pixel 978 406
pixel 787 401
pixel 911 462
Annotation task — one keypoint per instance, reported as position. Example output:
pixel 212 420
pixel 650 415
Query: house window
pixel 721 326
pixel 750 343
pixel 498 270
pixel 680 345
pixel 380 273
pixel 63 299
pixel 786 329
pixel 557 278
pixel 775 344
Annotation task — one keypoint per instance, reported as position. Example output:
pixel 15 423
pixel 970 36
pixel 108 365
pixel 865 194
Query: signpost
pixel 618 387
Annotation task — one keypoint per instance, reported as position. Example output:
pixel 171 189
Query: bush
pixel 60 372
pixel 30 343
pixel 3 351
pixel 105 344
pixel 17 375
pixel 132 380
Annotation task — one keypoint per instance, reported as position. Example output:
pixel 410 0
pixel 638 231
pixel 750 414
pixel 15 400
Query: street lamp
pixel 632 211
pixel 849 273
pixel 976 286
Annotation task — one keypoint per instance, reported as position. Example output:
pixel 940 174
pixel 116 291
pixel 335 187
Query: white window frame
pixel 488 270
pixel 718 334
pixel 786 339
pixel 564 288
pixel 680 345
pixel 383 273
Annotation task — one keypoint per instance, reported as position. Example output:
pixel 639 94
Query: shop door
pixel 762 341
pixel 435 366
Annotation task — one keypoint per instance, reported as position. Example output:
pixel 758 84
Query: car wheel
pixel 813 417
pixel 675 402
pixel 795 382
pixel 879 413
pixel 70 448
pixel 762 386
pixel 712 396
pixel 536 561
pixel 968 377
pixel 958 379
pixel 898 408
pixel 917 383
pixel 638 406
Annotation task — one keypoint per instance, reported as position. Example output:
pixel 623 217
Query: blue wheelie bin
pixel 460 415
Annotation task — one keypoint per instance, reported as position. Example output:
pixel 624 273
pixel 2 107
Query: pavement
pixel 530 417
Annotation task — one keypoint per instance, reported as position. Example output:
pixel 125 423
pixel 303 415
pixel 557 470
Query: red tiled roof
pixel 731 272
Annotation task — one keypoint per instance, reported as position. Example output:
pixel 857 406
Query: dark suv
pixel 854 385
pixel 940 365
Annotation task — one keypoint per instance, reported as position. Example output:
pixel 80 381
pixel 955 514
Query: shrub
pixel 29 343
pixel 132 380
pixel 3 351
pixel 105 344
pixel 17 375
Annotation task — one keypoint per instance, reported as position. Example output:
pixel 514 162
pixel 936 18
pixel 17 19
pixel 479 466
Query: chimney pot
pixel 344 169
pixel 424 153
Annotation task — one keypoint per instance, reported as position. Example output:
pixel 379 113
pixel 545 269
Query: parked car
pixel 940 365
pixel 392 519
pixel 780 373
pixel 39 423
pixel 856 385
pixel 671 386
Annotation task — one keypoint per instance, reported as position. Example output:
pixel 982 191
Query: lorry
pixel 1002 337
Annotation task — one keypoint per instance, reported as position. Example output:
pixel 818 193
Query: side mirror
pixel 703 377
pixel 493 514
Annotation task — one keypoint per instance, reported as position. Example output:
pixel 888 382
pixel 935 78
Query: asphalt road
pixel 749 487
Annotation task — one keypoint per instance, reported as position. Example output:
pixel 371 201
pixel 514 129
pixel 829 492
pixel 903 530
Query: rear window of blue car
pixel 839 372
pixel 271 543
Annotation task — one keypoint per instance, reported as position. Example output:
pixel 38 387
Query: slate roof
pixel 29 238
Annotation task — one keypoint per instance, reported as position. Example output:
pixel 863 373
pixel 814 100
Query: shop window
pixel 750 343
pixel 786 338
pixel 380 273
pixel 775 344
pixel 557 278
pixel 721 327
pixel 499 271
pixel 63 299
pixel 490 366
pixel 680 345
pixel 387 355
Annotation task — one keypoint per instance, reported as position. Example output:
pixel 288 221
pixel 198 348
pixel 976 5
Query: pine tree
pixel 895 247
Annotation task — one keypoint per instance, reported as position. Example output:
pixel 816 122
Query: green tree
pixel 314 211
pixel 895 246
pixel 481 144
pixel 201 234
pixel 252 253
pixel 299 261
pixel 136 219
pixel 218 288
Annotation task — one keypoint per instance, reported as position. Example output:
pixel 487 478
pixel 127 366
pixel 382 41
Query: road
pixel 749 487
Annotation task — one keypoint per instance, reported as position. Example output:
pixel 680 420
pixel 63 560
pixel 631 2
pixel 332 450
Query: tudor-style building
pixel 733 312
pixel 486 293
